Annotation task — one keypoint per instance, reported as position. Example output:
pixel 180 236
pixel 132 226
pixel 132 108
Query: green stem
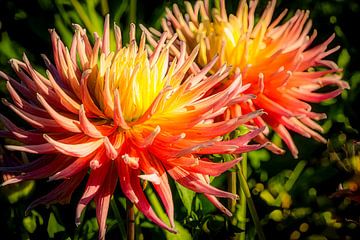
pixel 132 13
pixel 295 175
pixel 83 15
pixel 118 217
pixel 104 7
pixel 250 203
pixel 242 214
pixel 231 178
pixel 130 219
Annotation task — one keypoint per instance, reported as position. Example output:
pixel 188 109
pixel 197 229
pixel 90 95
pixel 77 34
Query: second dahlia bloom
pixel 277 57
pixel 130 115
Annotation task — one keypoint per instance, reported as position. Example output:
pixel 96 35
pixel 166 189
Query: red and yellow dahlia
pixel 278 58
pixel 133 115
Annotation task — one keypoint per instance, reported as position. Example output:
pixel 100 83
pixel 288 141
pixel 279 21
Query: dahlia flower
pixel 132 114
pixel 277 57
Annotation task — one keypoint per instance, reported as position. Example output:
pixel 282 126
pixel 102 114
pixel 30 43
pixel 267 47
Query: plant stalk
pixel 242 205
pixel 130 219
pixel 250 203
pixel 132 13
pixel 120 221
pixel 231 179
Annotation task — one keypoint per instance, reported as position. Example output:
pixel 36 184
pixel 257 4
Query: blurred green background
pixel 295 199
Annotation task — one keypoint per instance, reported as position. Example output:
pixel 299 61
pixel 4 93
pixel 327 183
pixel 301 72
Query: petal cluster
pixel 277 57
pixel 133 115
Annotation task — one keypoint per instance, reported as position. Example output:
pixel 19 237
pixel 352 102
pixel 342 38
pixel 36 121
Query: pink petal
pixel 193 182
pixel 37 149
pixel 102 200
pixel 153 178
pixel 68 124
pixel 218 204
pixel 76 166
pixel 157 175
pixel 68 102
pixel 24 136
pixel 43 171
pixel 110 150
pixel 143 204
pixel 35 121
pixel 76 149
pixel 96 180
pixel 62 193
pixel 24 105
pixel 124 179
pixel 118 114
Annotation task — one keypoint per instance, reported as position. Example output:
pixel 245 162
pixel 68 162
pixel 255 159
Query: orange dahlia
pixel 133 115
pixel 277 57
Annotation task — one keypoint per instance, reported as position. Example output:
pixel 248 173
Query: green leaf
pixel 53 226
pixel 30 222
pixel 182 233
pixel 186 196
pixel 17 191
pixel 344 58
pixel 90 228
pixel 259 155
pixel 8 47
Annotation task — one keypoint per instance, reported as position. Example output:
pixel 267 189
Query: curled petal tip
pixel 77 222
pixel 345 85
pixel 154 178
pixel 173 230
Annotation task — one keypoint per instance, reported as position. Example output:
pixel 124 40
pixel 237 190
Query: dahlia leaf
pixel 53 226
pixel 186 197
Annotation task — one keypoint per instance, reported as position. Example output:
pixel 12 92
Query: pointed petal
pixel 110 150
pixel 193 182
pixel 43 171
pixel 68 124
pixel 157 175
pixel 22 135
pixel 118 114
pixel 95 181
pixel 36 149
pixel 143 204
pixel 76 149
pixel 76 166
pixel 124 179
pixel 102 200
pixel 62 193
pixel 218 204
pixel 211 168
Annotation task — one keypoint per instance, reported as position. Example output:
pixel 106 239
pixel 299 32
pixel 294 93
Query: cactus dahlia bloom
pixel 278 58
pixel 131 115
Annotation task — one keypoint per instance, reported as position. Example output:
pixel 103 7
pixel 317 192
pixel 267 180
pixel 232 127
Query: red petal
pixel 195 183
pixel 124 179
pixel 211 168
pixel 102 200
pixel 76 166
pixel 151 166
pixel 95 181
pixel 143 204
